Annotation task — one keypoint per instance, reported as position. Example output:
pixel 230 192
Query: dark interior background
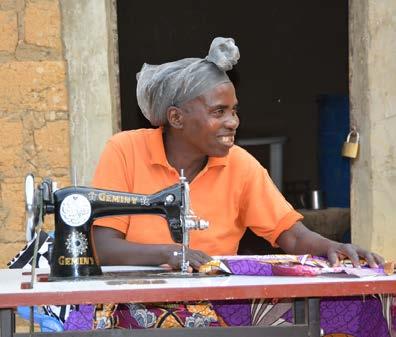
pixel 291 52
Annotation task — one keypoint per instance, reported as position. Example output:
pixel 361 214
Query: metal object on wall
pixel 350 148
pixel 314 200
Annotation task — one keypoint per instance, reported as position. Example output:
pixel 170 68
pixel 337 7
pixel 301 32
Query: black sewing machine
pixel 75 208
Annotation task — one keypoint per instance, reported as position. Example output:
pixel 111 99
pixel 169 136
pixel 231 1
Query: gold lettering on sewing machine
pixel 119 199
pixel 73 261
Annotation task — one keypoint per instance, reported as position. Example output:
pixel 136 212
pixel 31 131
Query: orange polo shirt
pixel 232 193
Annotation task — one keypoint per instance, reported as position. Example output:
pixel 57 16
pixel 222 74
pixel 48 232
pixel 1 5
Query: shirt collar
pixel 156 148
pixel 158 156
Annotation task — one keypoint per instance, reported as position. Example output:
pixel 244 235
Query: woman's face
pixel 210 121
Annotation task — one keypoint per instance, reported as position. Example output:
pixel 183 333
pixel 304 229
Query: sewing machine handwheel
pixel 29 206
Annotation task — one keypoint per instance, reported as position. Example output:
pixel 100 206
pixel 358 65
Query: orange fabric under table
pixel 232 193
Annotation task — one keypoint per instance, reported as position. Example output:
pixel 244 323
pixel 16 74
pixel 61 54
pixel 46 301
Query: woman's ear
pixel 175 117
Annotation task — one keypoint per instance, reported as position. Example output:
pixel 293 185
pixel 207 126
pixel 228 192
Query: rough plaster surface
pixel 90 81
pixel 34 119
pixel 373 102
pixel 38 86
pixel 34 93
pixel 8 31
pixel 46 31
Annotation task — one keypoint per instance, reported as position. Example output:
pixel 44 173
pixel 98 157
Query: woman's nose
pixel 232 122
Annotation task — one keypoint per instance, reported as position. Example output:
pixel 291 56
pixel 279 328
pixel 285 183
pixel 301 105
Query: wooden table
pixel 186 289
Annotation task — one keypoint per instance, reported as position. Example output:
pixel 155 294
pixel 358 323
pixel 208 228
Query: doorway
pixel 291 53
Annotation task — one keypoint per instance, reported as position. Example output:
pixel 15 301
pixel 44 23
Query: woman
pixel 194 105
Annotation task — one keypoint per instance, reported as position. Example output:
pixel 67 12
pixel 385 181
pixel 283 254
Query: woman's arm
pixel 300 240
pixel 112 249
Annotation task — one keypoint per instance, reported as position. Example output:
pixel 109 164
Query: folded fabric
pixel 290 265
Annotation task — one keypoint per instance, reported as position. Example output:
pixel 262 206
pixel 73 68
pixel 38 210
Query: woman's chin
pixel 220 152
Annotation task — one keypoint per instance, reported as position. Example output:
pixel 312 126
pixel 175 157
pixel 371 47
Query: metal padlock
pixel 349 149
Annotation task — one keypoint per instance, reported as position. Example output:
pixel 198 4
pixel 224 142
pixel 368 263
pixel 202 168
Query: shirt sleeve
pixel 111 173
pixel 264 210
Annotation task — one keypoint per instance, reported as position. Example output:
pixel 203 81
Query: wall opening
pixel 291 54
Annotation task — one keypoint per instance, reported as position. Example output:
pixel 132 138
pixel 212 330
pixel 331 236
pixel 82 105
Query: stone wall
pixel 34 118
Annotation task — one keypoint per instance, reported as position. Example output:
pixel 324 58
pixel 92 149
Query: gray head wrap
pixel 174 83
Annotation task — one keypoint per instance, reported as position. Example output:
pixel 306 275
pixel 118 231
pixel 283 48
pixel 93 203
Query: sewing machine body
pixel 75 208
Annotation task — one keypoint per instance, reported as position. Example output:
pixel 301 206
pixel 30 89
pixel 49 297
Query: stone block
pixel 8 31
pixel 36 86
pixel 7 4
pixel 3 216
pixel 13 200
pixel 52 145
pixel 6 57
pixel 33 120
pixel 42 23
pixel 8 251
pixel 11 159
pixel 32 52
pixel 8 234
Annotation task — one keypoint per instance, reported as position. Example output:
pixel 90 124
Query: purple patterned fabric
pixel 393 316
pixel 234 313
pixel 249 267
pixel 355 316
pixel 81 318
pixel 257 267
pixel 143 316
pixel 254 267
pixel 288 316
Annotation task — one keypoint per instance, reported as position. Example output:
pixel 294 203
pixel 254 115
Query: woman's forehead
pixel 219 92
pixel 222 94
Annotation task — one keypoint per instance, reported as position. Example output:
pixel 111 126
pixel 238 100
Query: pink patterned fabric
pixel 294 265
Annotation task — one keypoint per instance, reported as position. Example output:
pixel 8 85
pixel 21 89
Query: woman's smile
pixel 226 140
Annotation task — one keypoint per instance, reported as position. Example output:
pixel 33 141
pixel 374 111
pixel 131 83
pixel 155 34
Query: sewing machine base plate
pixel 128 276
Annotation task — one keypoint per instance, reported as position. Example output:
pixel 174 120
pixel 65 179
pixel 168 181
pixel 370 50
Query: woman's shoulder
pixel 242 162
pixel 128 137
pixel 239 156
pixel 243 167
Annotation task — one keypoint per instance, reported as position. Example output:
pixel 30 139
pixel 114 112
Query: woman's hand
pixel 300 240
pixel 196 258
pixel 339 251
pixel 113 249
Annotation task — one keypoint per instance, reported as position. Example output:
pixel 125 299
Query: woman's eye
pixel 219 112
